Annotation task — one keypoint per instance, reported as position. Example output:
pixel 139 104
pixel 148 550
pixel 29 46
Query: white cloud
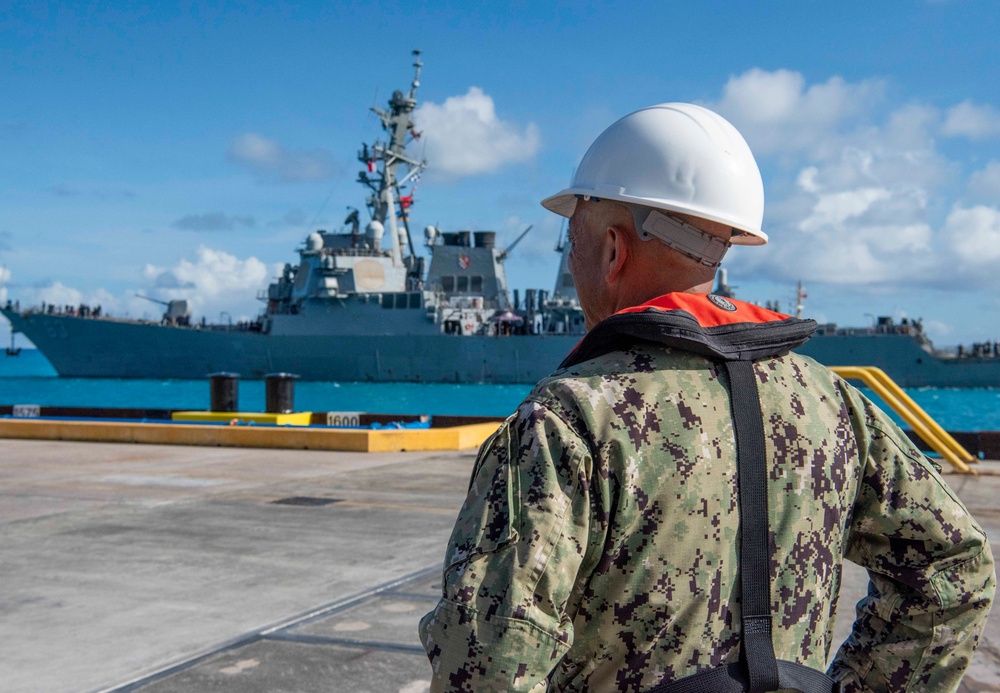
pixel 985 184
pixel 938 330
pixel 893 240
pixel 272 161
pixel 909 127
pixel 862 236
pixel 867 196
pixel 974 236
pixel 776 112
pixel 463 136
pixel 213 273
pixel 807 179
pixel 58 294
pixel 972 121
pixel 863 196
pixel 832 210
pixel 214 282
pixel 852 253
pixel 4 275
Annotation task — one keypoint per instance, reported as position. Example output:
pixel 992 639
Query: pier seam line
pixel 264 633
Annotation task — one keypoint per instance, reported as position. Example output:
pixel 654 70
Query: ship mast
pixel 799 295
pixel 385 159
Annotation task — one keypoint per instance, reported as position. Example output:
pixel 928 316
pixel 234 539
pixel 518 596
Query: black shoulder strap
pixel 755 554
pixel 758 670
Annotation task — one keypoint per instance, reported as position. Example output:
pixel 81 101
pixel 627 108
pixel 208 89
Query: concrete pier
pixel 176 568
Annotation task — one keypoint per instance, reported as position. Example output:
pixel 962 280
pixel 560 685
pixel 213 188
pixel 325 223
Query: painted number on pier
pixel 343 418
pixel 26 411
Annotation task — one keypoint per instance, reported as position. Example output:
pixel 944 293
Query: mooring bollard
pixel 224 391
pixel 280 392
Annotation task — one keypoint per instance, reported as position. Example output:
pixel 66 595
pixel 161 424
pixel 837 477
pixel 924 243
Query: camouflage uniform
pixel 597 547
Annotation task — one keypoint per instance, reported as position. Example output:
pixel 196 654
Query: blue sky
pixel 192 145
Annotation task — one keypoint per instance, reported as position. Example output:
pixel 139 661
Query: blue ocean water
pixel 29 379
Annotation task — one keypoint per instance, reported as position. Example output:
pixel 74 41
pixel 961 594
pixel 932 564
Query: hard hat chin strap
pixel 684 238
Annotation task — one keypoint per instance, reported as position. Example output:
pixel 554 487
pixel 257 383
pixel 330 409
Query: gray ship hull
pixel 107 348
pixel 902 357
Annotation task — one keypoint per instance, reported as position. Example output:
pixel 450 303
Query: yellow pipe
pixel 933 425
pixel 910 418
pixel 908 410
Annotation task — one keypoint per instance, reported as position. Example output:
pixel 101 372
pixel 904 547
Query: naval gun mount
pixel 177 313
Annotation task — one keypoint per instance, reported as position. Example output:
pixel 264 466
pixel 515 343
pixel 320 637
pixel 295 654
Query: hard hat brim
pixel 562 203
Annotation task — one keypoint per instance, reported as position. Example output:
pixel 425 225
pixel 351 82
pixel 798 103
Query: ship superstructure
pixel 355 269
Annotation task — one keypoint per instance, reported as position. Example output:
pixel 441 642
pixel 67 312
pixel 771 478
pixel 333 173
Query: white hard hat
pixel 677 157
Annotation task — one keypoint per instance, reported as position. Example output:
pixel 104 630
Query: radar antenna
pixel 386 204
pixel 416 75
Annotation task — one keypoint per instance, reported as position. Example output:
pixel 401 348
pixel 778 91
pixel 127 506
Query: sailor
pixel 677 498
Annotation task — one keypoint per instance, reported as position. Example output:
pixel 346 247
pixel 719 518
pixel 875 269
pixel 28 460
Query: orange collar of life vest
pixel 710 310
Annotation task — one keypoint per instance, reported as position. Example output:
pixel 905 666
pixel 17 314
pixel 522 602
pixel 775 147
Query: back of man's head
pixel 664 253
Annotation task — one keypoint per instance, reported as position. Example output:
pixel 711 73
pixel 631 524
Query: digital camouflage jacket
pixel 597 549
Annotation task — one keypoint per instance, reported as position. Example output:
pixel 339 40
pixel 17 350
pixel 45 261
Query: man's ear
pixel 617 253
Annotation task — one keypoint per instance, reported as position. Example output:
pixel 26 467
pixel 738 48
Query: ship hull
pixel 903 359
pixel 105 348
pixel 86 347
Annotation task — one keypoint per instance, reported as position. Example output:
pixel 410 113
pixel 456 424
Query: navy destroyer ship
pixel 360 305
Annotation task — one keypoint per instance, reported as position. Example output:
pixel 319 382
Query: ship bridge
pixel 467 264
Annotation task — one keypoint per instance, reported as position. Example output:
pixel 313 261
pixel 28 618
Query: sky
pixel 186 150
